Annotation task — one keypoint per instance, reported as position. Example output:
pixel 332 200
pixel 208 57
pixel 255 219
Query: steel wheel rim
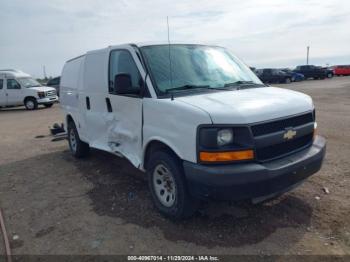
pixel 164 185
pixel 30 104
pixel 72 140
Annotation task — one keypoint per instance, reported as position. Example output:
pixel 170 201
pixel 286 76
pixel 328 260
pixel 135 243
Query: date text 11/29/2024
pixel 173 258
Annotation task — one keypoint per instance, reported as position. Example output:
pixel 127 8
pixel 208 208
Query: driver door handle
pixel 108 104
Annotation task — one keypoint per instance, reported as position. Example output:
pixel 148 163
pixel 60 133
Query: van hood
pixel 42 88
pixel 250 105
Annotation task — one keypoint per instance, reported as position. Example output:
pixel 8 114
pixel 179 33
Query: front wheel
pixel 168 187
pixel 31 103
pixel 77 147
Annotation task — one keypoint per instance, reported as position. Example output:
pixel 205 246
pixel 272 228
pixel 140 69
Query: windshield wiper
pixel 187 87
pixel 243 84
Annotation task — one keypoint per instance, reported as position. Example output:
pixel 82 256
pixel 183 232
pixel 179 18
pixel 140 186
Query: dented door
pixel 124 131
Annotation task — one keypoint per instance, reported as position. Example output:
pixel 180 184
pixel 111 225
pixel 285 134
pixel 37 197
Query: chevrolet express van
pixel 193 117
pixel 18 88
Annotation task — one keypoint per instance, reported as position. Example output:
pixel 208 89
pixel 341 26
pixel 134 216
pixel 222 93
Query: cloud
pixel 262 33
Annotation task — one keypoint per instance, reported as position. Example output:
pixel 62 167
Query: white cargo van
pixel 195 118
pixel 18 88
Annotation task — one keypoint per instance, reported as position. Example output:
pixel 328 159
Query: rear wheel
pixel 168 187
pixel 77 147
pixel 31 103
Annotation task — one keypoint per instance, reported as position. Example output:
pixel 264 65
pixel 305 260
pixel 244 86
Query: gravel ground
pixel 101 205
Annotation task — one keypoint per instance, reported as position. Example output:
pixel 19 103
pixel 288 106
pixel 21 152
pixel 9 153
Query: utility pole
pixel 44 70
pixel 307 54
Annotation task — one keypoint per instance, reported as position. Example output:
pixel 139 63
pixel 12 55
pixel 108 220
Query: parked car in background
pixel 311 71
pixel 329 72
pixel 296 77
pixel 269 75
pixel 18 88
pixel 55 83
pixel 341 70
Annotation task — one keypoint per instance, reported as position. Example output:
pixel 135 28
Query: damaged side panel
pixel 118 132
pixel 124 129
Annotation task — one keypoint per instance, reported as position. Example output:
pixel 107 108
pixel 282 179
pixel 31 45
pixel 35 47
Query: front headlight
pixel 224 144
pixel 225 137
pixel 41 94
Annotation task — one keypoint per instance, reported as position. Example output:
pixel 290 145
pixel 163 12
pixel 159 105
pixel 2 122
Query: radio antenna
pixel 170 65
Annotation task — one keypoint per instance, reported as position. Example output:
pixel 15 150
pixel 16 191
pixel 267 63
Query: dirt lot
pixel 101 205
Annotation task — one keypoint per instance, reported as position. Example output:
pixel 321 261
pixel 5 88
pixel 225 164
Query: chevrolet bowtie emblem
pixel 289 134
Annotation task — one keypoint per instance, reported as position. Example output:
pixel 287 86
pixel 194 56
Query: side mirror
pixel 123 84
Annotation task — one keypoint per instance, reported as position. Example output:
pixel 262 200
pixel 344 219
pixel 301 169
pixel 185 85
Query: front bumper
pixel 48 100
pixel 254 180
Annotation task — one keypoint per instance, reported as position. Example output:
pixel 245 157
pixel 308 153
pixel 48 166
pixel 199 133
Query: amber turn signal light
pixel 226 156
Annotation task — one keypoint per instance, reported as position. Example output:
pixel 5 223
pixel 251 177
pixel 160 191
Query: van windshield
pixel 28 82
pixel 199 67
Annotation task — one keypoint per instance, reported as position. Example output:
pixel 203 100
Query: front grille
pixel 278 150
pixel 279 125
pixel 51 93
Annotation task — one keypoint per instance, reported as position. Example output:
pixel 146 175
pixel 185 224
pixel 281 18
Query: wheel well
pixel 69 119
pixel 155 146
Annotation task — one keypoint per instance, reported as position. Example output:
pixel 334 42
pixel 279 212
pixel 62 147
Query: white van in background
pixel 18 88
pixel 195 118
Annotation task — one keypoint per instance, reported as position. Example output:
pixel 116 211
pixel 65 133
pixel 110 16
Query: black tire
pixel 48 105
pixel 184 205
pixel 30 103
pixel 78 148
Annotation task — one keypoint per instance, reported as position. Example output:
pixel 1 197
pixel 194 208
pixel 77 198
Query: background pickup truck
pixel 311 71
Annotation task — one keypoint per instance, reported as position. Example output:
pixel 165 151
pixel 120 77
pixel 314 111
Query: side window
pixel 13 84
pixel 1 83
pixel 121 61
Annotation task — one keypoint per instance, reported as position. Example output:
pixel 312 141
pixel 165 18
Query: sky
pixel 263 33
